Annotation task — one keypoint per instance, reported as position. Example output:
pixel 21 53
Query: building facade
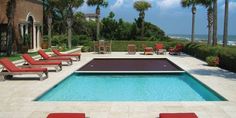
pixel 28 20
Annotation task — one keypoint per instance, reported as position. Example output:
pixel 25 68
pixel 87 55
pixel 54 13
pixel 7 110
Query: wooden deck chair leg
pixel 58 68
pixel 77 58
pixel 2 78
pixel 70 62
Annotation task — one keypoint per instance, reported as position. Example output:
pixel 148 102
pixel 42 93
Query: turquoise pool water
pixel 130 87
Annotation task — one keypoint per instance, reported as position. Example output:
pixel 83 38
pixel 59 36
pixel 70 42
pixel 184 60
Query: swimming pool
pixel 130 87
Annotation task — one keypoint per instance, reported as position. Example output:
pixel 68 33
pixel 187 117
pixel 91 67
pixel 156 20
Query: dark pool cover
pixel 143 64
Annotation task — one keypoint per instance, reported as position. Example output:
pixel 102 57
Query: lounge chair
pixel 159 48
pixel 147 50
pixel 10 69
pixel 58 53
pixel 177 50
pixel 178 115
pixel 33 63
pixel 47 57
pixel 66 115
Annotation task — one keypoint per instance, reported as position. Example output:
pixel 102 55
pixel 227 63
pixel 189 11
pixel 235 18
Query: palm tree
pixel 192 3
pixel 66 7
pixel 142 6
pixel 225 40
pixel 214 23
pixel 11 5
pixel 48 11
pixel 98 4
pixel 208 4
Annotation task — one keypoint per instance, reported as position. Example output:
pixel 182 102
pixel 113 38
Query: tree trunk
pixel 225 37
pixel 142 30
pixel 10 34
pixel 210 22
pixel 49 31
pixel 214 23
pixel 69 37
pixel 193 22
pixel 98 22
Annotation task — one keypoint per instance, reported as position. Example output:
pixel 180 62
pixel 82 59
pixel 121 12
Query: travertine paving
pixel 16 96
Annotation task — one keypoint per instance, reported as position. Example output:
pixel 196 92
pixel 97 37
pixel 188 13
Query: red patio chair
pixel 159 48
pixel 147 50
pixel 33 63
pixel 177 50
pixel 58 53
pixel 178 115
pixel 47 57
pixel 66 115
pixel 10 69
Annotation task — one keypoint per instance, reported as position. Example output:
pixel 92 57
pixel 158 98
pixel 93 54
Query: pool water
pixel 130 87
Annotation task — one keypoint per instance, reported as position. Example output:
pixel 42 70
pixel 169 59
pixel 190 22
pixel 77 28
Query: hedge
pixel 227 55
pixel 121 46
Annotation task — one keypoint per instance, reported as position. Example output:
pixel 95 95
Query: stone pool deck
pixel 16 96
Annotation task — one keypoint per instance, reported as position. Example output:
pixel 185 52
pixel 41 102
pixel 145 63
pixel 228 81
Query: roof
pixel 90 15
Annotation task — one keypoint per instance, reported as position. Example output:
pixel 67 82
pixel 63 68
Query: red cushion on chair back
pixel 29 59
pixel 43 54
pixel 9 65
pixel 66 115
pixel 179 47
pixel 57 52
pixel 178 115
pixel 159 46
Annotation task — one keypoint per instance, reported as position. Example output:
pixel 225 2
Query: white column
pixel 22 30
pixel 34 37
pixel 38 37
pixel 26 29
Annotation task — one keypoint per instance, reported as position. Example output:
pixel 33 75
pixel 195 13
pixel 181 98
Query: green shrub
pixel 212 60
pixel 227 55
pixel 59 40
pixel 80 40
pixel 85 49
pixel 228 59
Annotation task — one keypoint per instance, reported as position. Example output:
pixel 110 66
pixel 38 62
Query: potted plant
pixel 26 42
pixel 44 44
pixel 212 60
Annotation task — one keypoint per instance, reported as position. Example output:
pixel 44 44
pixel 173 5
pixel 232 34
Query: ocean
pixel 202 37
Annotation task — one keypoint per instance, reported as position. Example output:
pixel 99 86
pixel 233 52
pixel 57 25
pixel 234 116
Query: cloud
pixel 168 4
pixel 129 3
pixel 232 6
pixel 117 4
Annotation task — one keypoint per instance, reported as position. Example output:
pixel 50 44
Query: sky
pixel 169 15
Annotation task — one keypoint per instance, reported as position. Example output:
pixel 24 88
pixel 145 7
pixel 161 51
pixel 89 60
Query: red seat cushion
pixel 58 53
pixel 178 115
pixel 47 63
pixel 66 115
pixel 148 49
pixel 12 68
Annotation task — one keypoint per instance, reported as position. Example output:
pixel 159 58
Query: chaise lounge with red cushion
pixel 177 50
pixel 178 115
pixel 58 53
pixel 33 63
pixel 66 115
pixel 159 48
pixel 47 57
pixel 11 69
